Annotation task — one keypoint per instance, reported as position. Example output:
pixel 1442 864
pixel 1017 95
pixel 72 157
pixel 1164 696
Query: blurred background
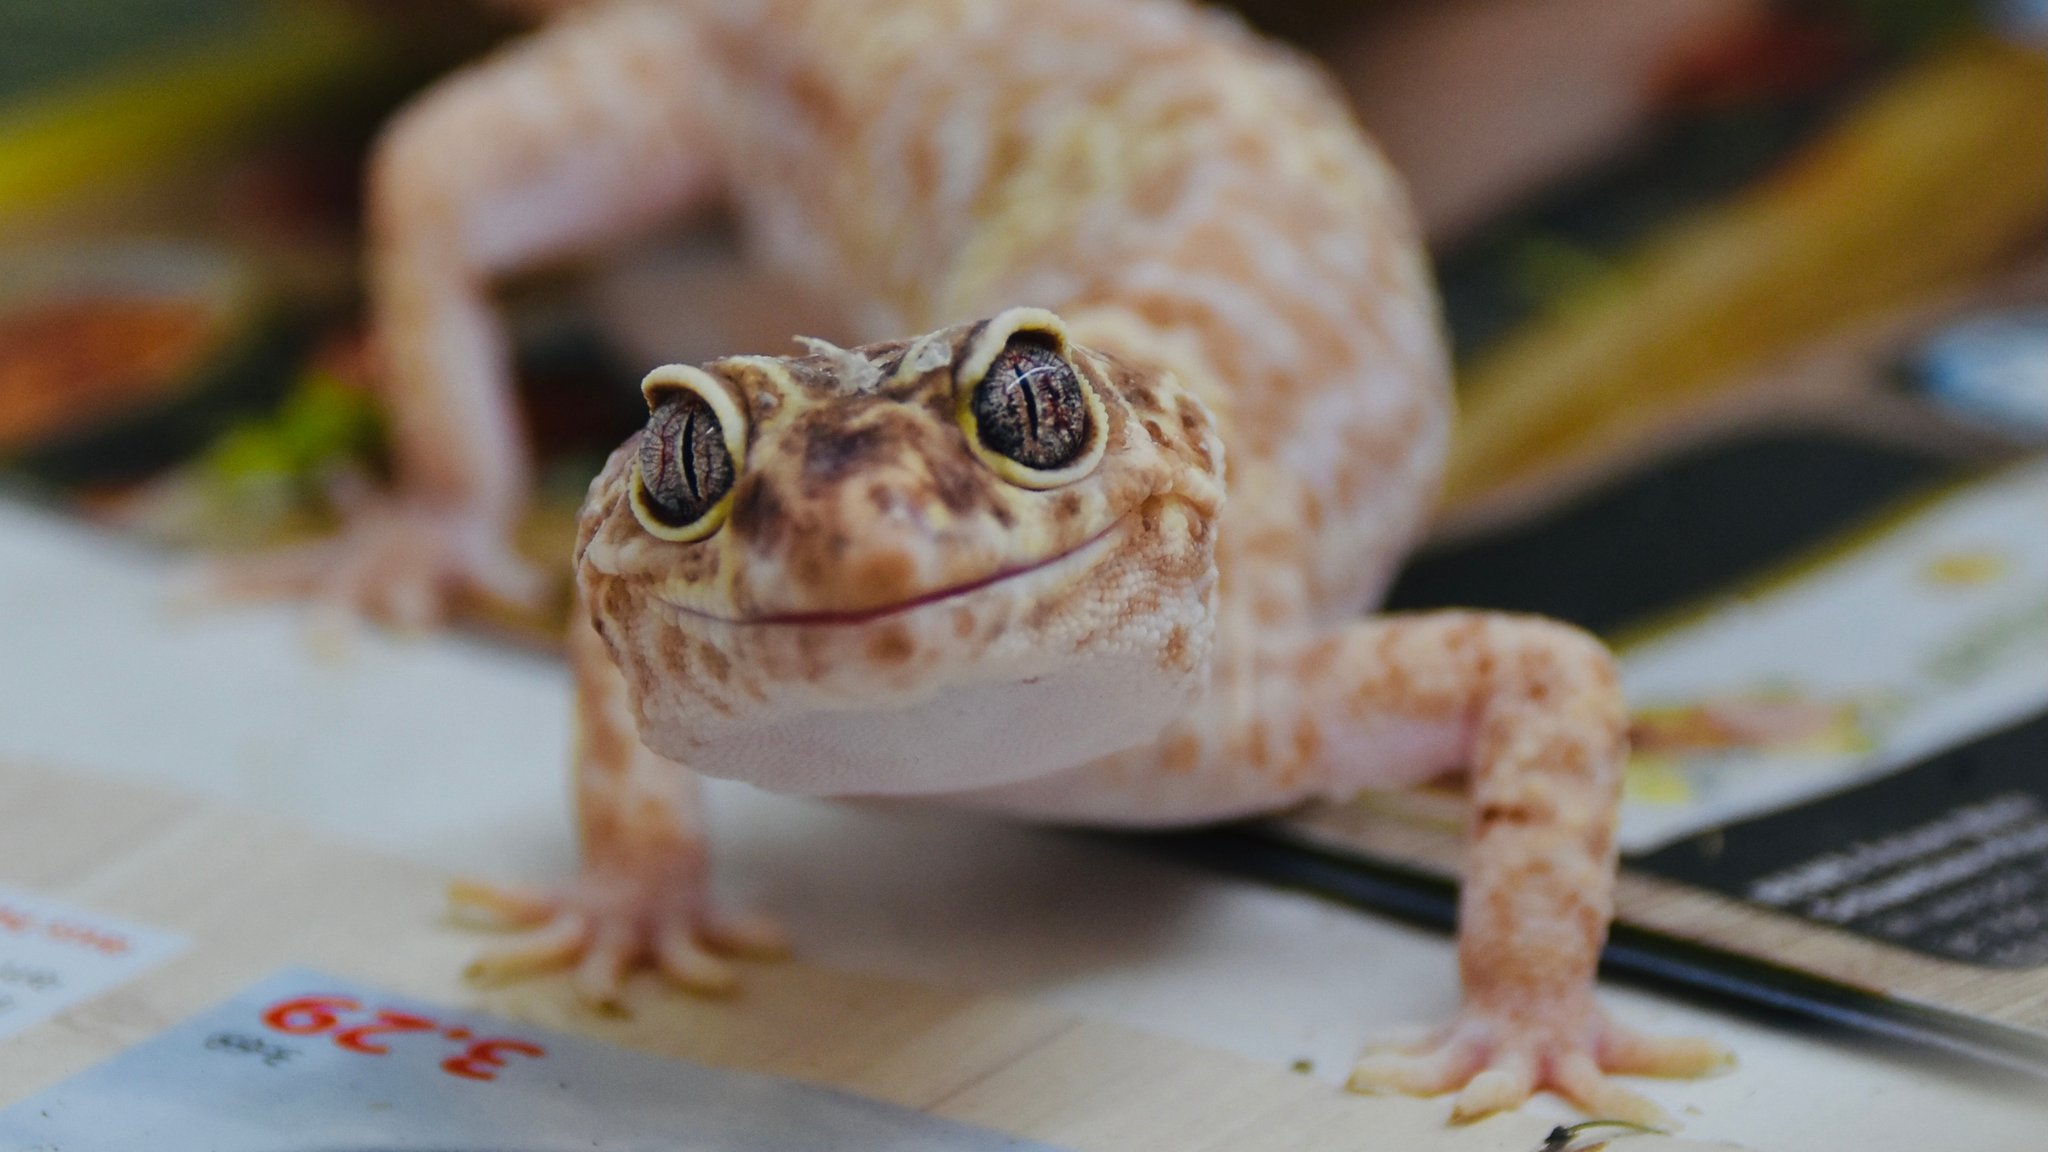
pixel 1749 300
pixel 1801 240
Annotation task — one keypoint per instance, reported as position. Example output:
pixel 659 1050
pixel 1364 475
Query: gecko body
pixel 1151 400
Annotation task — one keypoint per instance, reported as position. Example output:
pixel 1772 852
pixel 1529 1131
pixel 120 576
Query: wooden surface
pixel 255 896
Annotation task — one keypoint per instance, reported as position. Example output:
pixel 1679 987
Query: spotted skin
pixel 1168 635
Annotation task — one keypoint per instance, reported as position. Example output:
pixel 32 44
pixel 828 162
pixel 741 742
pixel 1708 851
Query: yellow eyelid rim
pixel 988 344
pixel 655 387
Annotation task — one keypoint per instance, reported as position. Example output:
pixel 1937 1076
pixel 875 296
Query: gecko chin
pixel 1029 671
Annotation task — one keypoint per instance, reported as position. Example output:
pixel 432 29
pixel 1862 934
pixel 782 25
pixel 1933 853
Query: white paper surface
pixel 53 955
pixel 304 1062
pixel 1927 636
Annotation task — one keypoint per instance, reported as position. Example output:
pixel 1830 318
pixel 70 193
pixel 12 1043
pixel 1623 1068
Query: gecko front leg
pixel 642 895
pixel 1545 734
pixel 573 138
pixel 1533 709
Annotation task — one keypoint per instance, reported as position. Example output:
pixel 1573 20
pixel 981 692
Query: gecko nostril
pixel 886 500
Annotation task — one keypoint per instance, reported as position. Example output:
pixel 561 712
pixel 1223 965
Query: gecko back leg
pixel 581 135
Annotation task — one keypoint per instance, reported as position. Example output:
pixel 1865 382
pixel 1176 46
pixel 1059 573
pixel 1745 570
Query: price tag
pixel 53 956
pixel 309 1063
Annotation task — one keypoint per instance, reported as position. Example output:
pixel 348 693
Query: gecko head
pixel 966 559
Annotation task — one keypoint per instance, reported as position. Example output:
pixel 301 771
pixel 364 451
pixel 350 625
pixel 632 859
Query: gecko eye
pixel 689 457
pixel 1030 415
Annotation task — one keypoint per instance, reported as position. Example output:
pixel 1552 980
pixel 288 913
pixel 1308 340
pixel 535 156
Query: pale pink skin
pixel 1220 243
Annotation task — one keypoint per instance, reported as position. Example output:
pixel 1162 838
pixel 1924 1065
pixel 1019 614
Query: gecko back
pixel 1183 192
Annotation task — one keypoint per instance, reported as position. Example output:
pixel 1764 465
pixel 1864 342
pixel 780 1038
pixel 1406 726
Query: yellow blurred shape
pixel 1656 780
pixel 1930 181
pixel 1966 569
pixel 173 107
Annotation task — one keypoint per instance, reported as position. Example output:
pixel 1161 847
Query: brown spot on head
pixel 884 577
pixel 937 403
pixel 831 456
pixel 963 487
pixel 1143 396
pixel 757 511
pixel 811 566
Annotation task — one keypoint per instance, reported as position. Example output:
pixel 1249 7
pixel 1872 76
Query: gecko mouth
pixel 1078 554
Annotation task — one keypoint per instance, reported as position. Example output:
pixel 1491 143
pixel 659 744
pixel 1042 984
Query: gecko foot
pixel 604 930
pixel 1499 1063
pixel 397 563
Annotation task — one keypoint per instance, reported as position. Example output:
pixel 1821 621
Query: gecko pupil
pixel 1030 407
pixel 684 464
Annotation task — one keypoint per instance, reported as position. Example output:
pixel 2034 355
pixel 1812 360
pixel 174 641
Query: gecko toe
pixel 690 967
pixel 1504 1085
pixel 1578 1078
pixel 1629 1053
pixel 1425 1073
pixel 555 945
pixel 481 904
pixel 747 936
pixel 600 974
